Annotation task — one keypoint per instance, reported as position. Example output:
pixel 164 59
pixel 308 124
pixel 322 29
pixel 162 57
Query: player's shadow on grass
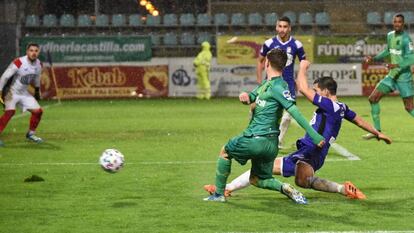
pixel 34 146
pixel 123 204
pixel 403 141
pixel 284 206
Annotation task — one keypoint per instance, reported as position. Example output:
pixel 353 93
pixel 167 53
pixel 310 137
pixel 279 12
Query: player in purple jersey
pixel 308 158
pixel 293 49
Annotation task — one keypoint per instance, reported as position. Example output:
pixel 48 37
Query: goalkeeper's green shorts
pixel 261 150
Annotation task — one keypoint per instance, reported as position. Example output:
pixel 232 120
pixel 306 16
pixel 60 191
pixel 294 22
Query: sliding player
pixel 327 120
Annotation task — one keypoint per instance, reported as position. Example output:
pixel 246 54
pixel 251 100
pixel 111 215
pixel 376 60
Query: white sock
pixel 284 125
pixel 240 182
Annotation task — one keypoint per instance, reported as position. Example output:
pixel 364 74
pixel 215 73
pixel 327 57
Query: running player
pixel 400 51
pixel 293 48
pixel 258 142
pixel 327 120
pixel 14 82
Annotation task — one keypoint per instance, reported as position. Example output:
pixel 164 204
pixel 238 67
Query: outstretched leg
pixel 34 122
pixel 222 173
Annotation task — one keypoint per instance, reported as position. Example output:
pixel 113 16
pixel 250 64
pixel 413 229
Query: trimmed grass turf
pixel 147 196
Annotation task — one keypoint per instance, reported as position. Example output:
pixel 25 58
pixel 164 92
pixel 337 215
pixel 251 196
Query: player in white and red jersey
pixel 14 83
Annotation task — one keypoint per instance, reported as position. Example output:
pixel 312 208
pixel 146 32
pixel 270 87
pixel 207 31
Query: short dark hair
pixel 30 44
pixel 399 15
pixel 285 19
pixel 277 58
pixel 327 82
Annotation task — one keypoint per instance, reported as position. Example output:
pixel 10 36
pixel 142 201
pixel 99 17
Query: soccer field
pixel 170 147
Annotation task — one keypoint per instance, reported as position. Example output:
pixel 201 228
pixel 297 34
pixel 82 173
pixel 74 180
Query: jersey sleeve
pixel 323 103
pixel 300 50
pixel 408 52
pixel 349 114
pixel 264 50
pixel 10 71
pixel 384 53
pixel 283 96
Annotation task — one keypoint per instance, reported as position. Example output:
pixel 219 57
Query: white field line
pixel 340 149
pixel 26 113
pixel 137 163
pixel 374 231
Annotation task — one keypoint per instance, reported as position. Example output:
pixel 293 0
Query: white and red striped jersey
pixel 20 74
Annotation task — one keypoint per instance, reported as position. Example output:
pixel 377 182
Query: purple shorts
pixel 312 155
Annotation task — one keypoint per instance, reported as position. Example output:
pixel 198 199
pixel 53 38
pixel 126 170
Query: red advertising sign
pixel 372 75
pixel 105 82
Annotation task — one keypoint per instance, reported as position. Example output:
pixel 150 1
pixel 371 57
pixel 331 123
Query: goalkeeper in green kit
pixel 259 141
pixel 401 53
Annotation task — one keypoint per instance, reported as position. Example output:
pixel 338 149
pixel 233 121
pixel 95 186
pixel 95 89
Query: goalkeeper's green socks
pixel 375 113
pixel 222 173
pixel 272 184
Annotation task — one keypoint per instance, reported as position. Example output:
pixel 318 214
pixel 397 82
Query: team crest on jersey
pixel 287 95
pixel 288 50
pixel 260 102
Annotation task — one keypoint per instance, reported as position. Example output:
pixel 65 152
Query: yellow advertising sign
pixel 244 50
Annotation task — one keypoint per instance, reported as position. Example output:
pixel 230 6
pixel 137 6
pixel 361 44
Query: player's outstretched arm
pixel 302 82
pixel 369 128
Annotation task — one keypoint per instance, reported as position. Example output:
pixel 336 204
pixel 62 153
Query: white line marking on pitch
pixel 137 163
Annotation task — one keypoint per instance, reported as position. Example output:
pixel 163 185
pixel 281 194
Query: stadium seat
pixel 255 19
pixel 134 20
pixel 118 20
pixel 305 19
pixel 203 19
pixel 204 36
pixel 84 21
pixel 221 19
pixel 292 16
pixel 170 38
pixel 49 20
pixel 170 20
pixel 373 18
pixel 187 38
pixel 322 19
pixel 187 19
pixel 155 39
pixel 238 19
pixel 270 19
pixel 102 21
pixel 32 21
pixel 408 17
pixel 67 20
pixel 388 17
pixel 153 20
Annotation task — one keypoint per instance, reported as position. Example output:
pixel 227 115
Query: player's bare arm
pixel 302 83
pixel 244 98
pixel 259 68
pixel 360 122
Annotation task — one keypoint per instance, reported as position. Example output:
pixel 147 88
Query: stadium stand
pixel 254 19
pixel 49 20
pixel 134 20
pixel 118 20
pixel 32 21
pixel 84 21
pixel 187 19
pixel 270 19
pixel 170 20
pixel 67 20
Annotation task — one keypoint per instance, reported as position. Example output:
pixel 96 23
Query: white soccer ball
pixel 112 160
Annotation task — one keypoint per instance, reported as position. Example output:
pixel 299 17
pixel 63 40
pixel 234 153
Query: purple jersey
pixel 293 48
pixel 327 120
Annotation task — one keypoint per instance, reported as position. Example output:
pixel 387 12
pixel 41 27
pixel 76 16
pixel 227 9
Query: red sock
pixel 5 118
pixel 35 119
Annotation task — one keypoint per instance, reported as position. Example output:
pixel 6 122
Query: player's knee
pixel 9 113
pixel 223 154
pixel 302 182
pixel 409 108
pixel 373 99
pixel 38 111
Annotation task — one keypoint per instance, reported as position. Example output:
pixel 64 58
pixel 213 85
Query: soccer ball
pixel 112 160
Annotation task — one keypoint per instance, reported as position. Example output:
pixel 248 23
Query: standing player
pixel 309 158
pixel 400 51
pixel 202 65
pixel 21 73
pixel 293 48
pixel 258 142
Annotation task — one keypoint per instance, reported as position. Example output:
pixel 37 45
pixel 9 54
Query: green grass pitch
pixel 171 146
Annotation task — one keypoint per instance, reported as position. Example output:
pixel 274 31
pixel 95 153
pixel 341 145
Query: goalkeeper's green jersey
pixel 400 50
pixel 271 97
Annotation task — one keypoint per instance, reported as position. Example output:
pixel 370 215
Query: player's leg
pixel 10 102
pixel 384 87
pixel 30 104
pixel 409 105
pixel 223 170
pixel 407 93
pixel 284 126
